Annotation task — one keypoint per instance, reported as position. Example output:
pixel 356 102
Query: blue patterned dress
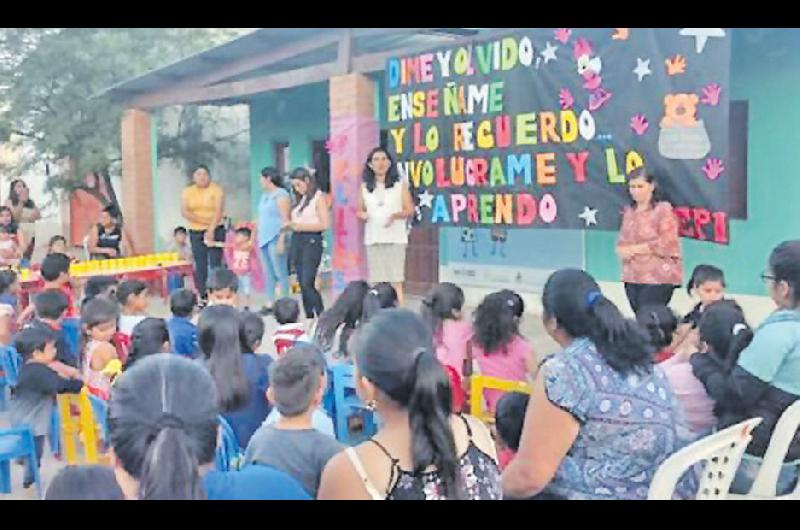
pixel 629 424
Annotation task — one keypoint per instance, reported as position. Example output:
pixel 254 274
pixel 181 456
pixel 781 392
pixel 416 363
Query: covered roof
pixel 269 59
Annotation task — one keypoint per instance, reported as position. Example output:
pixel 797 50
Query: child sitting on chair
pixel 99 323
pixel 179 245
pixel 223 288
pixel 182 332
pixel 9 288
pixel 509 419
pixel 132 296
pixel 10 253
pixel 55 273
pixel 296 387
pixel 37 386
pixel 290 331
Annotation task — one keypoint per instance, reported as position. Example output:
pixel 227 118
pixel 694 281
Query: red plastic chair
pixel 457 390
pixel 122 343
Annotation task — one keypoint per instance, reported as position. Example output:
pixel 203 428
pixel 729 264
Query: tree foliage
pixel 50 80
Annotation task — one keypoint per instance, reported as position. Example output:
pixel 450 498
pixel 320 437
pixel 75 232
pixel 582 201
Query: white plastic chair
pixel 721 452
pixel 765 485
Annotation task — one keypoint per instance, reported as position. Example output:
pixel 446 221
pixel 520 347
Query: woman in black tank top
pixel 105 239
pixel 422 451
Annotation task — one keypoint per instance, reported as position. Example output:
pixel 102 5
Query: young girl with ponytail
pixel 422 451
pixel 163 427
pixel 723 333
pixel 380 296
pixel 441 311
pixel 595 405
pixel 162 424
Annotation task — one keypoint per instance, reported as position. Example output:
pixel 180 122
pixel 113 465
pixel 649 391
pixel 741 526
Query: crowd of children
pixel 274 402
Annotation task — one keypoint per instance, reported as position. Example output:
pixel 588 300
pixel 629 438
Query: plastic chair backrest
pixel 479 383
pixel 228 450
pixel 25 448
pixel 456 388
pixel 10 362
pixel 92 413
pixel 766 483
pixel 122 343
pixel 721 452
pixel 346 401
pixel 71 330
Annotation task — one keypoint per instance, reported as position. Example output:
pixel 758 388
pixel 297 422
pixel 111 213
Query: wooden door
pixel 422 260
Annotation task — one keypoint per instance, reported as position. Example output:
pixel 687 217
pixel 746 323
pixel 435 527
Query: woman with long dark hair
pixel 149 337
pixel 202 205
pixel 601 419
pixel 380 296
pixel 274 210
pixel 25 213
pixel 218 338
pixel 384 204
pixel 648 244
pixel 309 219
pixel 162 422
pixel 241 378
pixel 422 451
pixel 765 378
pixel 344 314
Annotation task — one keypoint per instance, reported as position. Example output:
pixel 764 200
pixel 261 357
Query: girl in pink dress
pixel 441 310
pixel 498 348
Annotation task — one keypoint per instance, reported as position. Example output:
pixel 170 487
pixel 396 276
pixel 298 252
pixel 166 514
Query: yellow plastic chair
pixel 84 428
pixel 479 383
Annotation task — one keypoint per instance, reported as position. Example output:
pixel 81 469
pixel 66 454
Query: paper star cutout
pixel 549 53
pixel 426 199
pixel 701 35
pixel 642 68
pixel 589 216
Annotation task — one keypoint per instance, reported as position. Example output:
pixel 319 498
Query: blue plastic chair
pixel 17 442
pixel 228 452
pixel 10 362
pixel 346 403
pixel 3 386
pixel 71 329
pixel 100 412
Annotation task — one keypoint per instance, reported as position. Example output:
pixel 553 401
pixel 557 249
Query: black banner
pixel 538 128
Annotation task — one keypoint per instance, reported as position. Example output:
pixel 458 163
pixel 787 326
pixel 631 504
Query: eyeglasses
pixel 767 277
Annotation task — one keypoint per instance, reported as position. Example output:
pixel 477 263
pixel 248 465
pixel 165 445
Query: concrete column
pixel 137 180
pixel 354 131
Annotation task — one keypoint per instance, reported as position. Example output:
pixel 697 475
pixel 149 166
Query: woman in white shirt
pixel 385 204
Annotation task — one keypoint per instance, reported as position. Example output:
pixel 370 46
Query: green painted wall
pixel 765 70
pixel 297 116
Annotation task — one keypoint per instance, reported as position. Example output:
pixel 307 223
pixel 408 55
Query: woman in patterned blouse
pixel 601 418
pixel 648 245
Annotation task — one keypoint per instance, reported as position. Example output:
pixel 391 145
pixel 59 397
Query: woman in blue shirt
pixel 766 378
pixel 601 418
pixel 273 212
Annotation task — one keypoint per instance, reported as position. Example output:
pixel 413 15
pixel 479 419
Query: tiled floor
pixel 531 327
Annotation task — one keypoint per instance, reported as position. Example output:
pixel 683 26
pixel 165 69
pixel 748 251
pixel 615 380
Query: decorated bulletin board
pixel 538 128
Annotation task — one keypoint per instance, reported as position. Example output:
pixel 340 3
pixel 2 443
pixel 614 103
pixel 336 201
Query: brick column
pixel 354 131
pixel 137 179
